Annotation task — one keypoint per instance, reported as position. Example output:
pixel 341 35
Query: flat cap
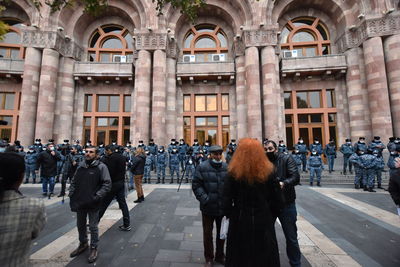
pixel 215 149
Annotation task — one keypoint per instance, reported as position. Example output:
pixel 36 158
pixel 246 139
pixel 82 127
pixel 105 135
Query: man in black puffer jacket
pixel 208 184
pixel 289 177
pixel 116 164
pixel 89 185
pixel 47 161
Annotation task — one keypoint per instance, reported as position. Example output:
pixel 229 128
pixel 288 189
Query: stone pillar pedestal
pixel 273 106
pixel 241 105
pixel 64 101
pixel 29 96
pixel 159 97
pixel 171 100
pixel 252 72
pixel 142 97
pixel 392 58
pixel 47 94
pixel 378 93
pixel 357 95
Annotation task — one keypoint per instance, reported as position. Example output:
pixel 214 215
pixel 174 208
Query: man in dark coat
pixel 394 185
pixel 89 185
pixel 116 163
pixel 47 160
pixel 208 184
pixel 288 175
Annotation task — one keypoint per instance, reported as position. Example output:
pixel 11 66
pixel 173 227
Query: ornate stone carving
pixel 51 39
pixel 383 26
pixel 150 41
pixel 172 49
pixel 238 48
pixel 260 37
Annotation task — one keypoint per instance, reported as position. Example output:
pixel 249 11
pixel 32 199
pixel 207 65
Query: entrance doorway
pixel 309 133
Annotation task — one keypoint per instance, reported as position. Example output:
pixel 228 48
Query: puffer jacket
pixel 208 185
pixel 288 173
pixel 89 185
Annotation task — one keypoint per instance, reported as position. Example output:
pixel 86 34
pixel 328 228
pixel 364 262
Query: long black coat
pixel 48 163
pixel 394 186
pixel 251 210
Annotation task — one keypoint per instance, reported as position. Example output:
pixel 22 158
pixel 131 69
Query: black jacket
pixel 89 185
pixel 208 186
pixel 288 173
pixel 116 164
pixel 252 210
pixel 138 164
pixel 48 163
pixel 394 186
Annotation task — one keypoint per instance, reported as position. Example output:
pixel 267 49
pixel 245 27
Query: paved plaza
pixel 337 226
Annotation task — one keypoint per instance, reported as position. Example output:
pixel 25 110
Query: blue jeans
pixel 81 221
pixel 288 218
pixel 130 175
pixel 331 161
pixel 48 180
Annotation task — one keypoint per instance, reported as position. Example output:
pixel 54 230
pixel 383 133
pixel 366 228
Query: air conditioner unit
pixel 290 53
pixel 189 58
pixel 119 58
pixel 218 57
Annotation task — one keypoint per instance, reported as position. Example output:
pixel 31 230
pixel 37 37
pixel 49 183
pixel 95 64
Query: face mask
pixel 181 142
pixel 361 153
pixel 195 143
pixel 393 153
pixel 271 156
pixel 349 143
pixel 140 144
pixel 113 144
pixel 52 148
pixel 396 142
pixel 362 142
pixel 207 144
pixel 190 161
pixel 87 144
pixel 233 143
pixel 31 151
pixel 314 153
pixel 301 141
pixel 375 155
pixel 161 150
pixel 128 145
pixel 217 161
pixel 281 144
pixel 317 142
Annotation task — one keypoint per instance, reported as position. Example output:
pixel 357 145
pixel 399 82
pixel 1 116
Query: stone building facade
pixel 278 69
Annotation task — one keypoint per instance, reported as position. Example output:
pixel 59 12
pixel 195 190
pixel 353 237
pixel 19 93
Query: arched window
pixel 309 36
pixel 205 40
pixel 10 46
pixel 111 43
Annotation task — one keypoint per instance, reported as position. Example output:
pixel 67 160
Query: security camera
pixel 241 27
pixel 59 28
pixel 261 24
pixel 168 30
pixel 390 10
pixel 361 16
pixel 172 37
pixel 149 29
pixel 67 37
pixel 35 25
pixel 238 36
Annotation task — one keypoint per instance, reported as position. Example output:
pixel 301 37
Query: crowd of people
pixel 253 186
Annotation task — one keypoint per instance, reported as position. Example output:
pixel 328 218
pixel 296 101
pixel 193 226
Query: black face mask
pixel 271 156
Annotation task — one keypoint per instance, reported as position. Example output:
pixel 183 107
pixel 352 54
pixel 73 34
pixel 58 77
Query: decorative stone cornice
pixel 260 37
pixel 53 40
pixel 376 27
pixel 150 41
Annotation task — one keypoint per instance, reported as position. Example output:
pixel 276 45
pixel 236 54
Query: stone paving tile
pixel 174 236
pixel 178 264
pixel 173 255
pixel 141 233
pixel 187 211
pixel 161 264
pixel 191 245
pixel 194 237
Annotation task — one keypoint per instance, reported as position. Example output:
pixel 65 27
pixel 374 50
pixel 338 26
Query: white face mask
pixel 30 150
pixel 314 153
pixel 349 143
pixel 301 141
pixel 195 143
pixel 207 144
pixel 317 142
pixel 52 148
pixel 233 143
pixel 181 142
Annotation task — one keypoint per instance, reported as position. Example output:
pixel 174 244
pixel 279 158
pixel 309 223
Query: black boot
pixel 93 255
pixel 172 181
pixel 311 184
pixel 380 186
pixel 356 186
pixel 34 181
pixel 82 247
pixel 365 188
pixel 371 189
pixel 158 180
pixel 141 198
pixel 318 184
pixel 163 180
pixel 187 180
pixel 148 181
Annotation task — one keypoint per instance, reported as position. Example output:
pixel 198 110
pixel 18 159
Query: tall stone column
pixel 29 96
pixel 357 95
pixel 241 104
pixel 171 99
pixel 143 96
pixel 47 94
pixel 392 58
pixel 158 128
pixel 378 93
pixel 273 112
pixel 64 101
pixel 252 74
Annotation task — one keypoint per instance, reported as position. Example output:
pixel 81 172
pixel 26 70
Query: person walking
pixel 21 218
pixel 252 201
pixel 89 185
pixel 289 177
pixel 47 160
pixel 207 185
pixel 137 170
pixel 116 164
pixel 394 185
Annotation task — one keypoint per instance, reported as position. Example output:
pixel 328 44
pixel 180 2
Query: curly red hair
pixel 249 162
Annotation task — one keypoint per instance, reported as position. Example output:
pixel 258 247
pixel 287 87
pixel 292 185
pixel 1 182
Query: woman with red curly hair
pixel 252 199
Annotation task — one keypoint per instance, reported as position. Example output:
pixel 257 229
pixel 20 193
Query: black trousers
pixel 208 224
pixel 118 192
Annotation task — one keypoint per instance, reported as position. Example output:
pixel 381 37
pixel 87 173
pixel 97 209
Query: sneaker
pixel 125 228
pixel 93 255
pixel 82 247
